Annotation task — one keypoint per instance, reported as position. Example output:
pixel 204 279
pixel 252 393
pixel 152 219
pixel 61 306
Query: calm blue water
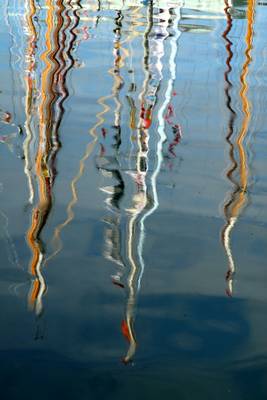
pixel 133 185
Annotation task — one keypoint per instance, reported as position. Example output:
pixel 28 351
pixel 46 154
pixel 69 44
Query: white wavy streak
pixel 162 137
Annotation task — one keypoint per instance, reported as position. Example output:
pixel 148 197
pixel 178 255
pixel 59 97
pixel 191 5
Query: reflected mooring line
pixel 239 197
pixel 57 60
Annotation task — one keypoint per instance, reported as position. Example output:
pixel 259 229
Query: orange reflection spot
pixel 35 291
pixel 125 330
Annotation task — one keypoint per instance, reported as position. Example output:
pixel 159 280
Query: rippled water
pixel 133 188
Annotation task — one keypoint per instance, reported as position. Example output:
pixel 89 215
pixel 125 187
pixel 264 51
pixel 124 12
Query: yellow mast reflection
pixel 238 201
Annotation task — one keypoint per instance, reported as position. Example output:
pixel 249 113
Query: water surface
pixel 133 192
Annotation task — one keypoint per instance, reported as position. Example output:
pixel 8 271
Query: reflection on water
pixel 125 234
pixel 58 60
pixel 117 119
pixel 238 198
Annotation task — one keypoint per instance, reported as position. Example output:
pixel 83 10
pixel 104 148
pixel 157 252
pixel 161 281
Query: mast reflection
pixel 43 172
pixel 100 120
pixel 110 167
pixel 239 197
pixel 13 132
pixel 124 237
pixel 57 60
pixel 30 95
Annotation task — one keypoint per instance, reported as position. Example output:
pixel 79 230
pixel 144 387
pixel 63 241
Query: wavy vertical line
pixel 172 67
pixel 142 207
pixel 140 199
pixel 243 94
pixel 56 240
pixel 65 62
pixel 34 229
pixel 144 132
pixel 112 239
pixel 230 222
pixel 47 143
pixel 128 324
pixel 15 51
pixel 161 120
pixel 63 55
pixel 135 23
pixel 30 81
pixel 54 56
pixel 120 54
pixel 13 17
pixel 41 211
pixel 118 81
pixel 238 200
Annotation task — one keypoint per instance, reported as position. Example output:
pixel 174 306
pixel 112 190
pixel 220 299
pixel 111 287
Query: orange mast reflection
pixel 56 56
pixel 41 211
pixel 238 201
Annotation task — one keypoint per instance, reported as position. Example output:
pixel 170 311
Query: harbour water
pixel 133 183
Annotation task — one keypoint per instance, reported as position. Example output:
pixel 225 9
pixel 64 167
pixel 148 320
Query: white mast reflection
pixel 161 129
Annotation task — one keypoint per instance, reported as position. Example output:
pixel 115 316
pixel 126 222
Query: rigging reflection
pixel 234 206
